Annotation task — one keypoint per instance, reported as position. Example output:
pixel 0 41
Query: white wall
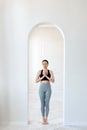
pixel 18 17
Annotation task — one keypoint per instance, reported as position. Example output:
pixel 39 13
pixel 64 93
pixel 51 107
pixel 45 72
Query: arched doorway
pixel 46 41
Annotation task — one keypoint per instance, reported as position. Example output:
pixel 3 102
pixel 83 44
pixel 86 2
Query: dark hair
pixel 45 61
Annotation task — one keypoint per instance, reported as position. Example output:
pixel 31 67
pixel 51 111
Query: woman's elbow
pixel 36 81
pixel 52 80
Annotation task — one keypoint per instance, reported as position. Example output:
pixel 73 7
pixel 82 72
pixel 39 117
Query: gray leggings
pixel 45 94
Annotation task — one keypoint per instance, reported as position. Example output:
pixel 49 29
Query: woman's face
pixel 45 64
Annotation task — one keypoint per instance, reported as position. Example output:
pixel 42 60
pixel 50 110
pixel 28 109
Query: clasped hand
pixel 45 73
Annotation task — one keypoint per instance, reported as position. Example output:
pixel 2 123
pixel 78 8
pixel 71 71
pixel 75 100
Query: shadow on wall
pixel 4 89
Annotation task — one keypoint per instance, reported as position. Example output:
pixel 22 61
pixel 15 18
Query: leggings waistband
pixel 45 83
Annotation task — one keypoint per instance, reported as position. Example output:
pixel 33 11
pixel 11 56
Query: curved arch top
pixel 47 24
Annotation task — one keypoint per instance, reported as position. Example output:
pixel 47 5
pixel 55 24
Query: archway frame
pixel 62 33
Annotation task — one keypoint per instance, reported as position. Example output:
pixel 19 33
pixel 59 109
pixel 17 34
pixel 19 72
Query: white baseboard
pixel 77 124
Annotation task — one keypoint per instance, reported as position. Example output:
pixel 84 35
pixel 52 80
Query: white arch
pixel 63 36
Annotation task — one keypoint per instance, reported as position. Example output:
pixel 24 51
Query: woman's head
pixel 45 63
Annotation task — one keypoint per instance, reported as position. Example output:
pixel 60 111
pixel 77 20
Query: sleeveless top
pixel 41 75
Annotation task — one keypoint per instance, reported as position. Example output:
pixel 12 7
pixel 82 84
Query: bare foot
pixel 43 122
pixel 46 121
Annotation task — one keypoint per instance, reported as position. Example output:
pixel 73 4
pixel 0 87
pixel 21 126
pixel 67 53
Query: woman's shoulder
pixel 39 71
pixel 50 70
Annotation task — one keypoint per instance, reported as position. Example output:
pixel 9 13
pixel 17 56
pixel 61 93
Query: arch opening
pixel 46 41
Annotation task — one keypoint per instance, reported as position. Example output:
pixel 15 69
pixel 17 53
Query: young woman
pixel 45 76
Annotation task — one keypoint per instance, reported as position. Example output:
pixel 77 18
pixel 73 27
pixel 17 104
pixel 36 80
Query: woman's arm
pixel 52 79
pixel 37 77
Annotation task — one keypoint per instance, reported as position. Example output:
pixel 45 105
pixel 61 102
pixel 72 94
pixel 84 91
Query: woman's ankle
pixel 46 117
pixel 43 117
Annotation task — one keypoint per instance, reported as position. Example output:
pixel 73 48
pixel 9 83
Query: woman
pixel 45 76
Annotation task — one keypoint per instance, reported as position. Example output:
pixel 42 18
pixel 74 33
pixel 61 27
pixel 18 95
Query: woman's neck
pixel 44 68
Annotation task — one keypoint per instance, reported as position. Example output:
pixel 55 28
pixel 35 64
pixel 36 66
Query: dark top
pixel 41 75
